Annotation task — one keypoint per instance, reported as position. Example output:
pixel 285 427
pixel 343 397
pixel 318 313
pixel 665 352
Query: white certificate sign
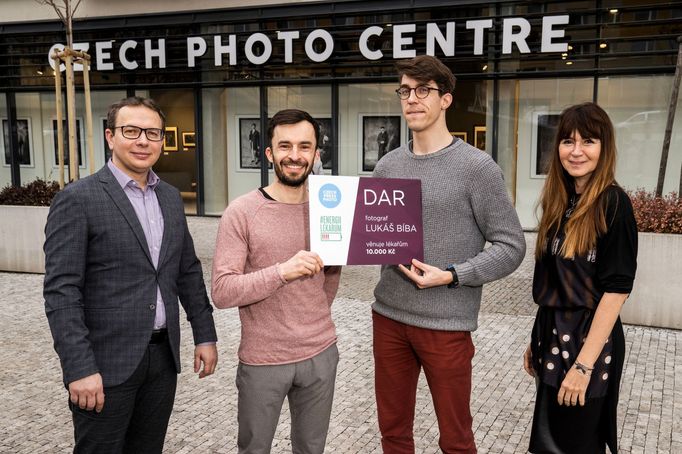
pixel 365 221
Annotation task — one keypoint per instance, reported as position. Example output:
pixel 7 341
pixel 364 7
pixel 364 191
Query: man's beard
pixel 293 182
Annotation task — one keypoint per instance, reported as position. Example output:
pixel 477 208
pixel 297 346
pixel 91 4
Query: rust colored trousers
pixel 400 352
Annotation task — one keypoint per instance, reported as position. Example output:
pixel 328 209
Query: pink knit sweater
pixel 281 322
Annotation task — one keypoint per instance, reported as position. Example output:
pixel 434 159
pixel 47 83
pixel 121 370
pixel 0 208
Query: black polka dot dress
pixel 568 292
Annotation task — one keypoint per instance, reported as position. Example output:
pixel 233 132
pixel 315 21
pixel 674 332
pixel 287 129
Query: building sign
pixel 319 44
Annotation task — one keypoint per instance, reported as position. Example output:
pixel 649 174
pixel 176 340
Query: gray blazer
pixel 100 282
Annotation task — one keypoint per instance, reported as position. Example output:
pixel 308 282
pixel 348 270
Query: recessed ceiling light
pixel 602 45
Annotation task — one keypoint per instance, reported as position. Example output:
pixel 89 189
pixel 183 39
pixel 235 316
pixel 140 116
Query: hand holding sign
pixel 304 263
pixel 426 276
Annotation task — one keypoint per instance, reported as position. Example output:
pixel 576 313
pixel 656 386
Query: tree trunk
pixel 671 118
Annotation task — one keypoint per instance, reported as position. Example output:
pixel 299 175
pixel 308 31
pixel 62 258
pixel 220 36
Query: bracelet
pixel 583 369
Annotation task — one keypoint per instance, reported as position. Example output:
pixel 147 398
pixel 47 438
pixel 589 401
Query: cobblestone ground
pixel 34 416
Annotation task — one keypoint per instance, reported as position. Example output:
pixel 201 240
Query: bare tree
pixel 65 9
pixel 669 124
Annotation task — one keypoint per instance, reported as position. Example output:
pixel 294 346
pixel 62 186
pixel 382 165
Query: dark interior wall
pixel 468 109
pixel 179 167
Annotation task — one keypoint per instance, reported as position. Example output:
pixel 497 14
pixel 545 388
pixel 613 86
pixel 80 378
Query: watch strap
pixel 455 278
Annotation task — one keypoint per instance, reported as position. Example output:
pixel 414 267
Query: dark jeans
pixel 136 412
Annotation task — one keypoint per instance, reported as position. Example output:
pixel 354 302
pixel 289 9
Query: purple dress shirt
pixel 149 214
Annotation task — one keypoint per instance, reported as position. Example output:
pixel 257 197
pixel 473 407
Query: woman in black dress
pixel 585 262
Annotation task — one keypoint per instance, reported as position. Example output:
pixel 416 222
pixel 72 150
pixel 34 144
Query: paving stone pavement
pixel 34 417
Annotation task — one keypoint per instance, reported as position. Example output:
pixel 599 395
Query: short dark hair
pixel 133 101
pixel 425 68
pixel 291 117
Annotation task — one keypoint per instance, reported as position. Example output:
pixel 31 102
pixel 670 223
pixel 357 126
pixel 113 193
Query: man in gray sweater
pixel 424 313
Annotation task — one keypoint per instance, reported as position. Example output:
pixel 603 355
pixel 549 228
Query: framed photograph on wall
pixel 188 140
pixel 79 142
pixel 249 143
pixel 325 145
pixel 170 139
pixel 105 144
pixel 479 137
pixel 24 141
pixel 459 135
pixel 543 131
pixel 380 134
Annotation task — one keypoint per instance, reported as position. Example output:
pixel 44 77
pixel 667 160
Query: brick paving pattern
pixel 35 419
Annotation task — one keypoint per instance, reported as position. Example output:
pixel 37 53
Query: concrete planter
pixel 22 234
pixel 656 298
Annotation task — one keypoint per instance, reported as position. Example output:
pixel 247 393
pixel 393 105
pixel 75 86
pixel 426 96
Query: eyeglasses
pixel 422 91
pixel 134 132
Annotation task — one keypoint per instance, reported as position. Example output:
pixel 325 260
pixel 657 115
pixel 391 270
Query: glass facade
pixel 638 107
pixel 36 121
pixel 219 75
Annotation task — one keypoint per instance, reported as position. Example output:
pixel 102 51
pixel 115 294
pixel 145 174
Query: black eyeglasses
pixel 134 132
pixel 422 91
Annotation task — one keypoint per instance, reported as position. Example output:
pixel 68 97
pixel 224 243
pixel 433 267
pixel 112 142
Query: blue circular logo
pixel 330 195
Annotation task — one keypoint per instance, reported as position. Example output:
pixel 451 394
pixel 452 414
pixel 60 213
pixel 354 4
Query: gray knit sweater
pixel 464 204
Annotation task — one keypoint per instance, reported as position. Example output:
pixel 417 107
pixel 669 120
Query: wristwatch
pixel 455 279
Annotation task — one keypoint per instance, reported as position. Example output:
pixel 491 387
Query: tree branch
pixel 73 11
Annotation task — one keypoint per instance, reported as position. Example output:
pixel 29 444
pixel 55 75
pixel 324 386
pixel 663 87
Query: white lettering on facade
pixel 219 49
pixel 288 38
pixel 127 64
pixel 82 47
pixel 479 26
pixel 196 47
pixel 103 55
pixel 446 43
pixel 53 49
pixel 366 52
pixel 399 41
pixel 548 33
pixel 328 42
pixel 159 52
pixel 515 32
pixel 509 37
pixel 267 48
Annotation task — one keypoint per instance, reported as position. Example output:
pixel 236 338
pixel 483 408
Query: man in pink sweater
pixel 284 293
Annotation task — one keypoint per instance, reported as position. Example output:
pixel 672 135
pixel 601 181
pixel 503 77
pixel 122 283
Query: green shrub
pixel 657 214
pixel 36 193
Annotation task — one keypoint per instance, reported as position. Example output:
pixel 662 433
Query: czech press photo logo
pixel 330 195
pixel 330 226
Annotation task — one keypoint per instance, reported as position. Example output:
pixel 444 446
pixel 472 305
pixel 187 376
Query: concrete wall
pixel 31 11
pixel 656 299
pixel 22 234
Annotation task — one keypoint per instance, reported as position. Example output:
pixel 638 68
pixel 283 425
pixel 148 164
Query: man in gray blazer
pixel 118 257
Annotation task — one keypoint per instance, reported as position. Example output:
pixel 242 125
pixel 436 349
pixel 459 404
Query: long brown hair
pixel 588 220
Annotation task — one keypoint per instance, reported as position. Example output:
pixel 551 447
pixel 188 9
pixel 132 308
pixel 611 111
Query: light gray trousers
pixel 309 386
